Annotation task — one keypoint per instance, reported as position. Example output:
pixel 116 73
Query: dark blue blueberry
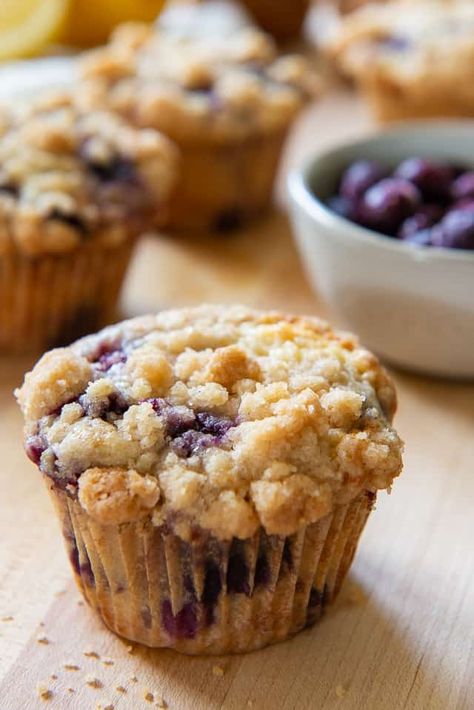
pixel 10 189
pixel 465 204
pixel 116 170
pixel 229 220
pixel 358 177
pixel 456 230
pixel 72 220
pixel 394 43
pixel 425 217
pixel 34 447
pixel 183 624
pixel 211 591
pixel 108 359
pixel 315 605
pixel 342 207
pixel 262 571
pixel 423 238
pixel 211 424
pixel 432 179
pixel 463 186
pixel 82 569
pixel 238 575
pixel 388 203
pixel 177 419
pixel 192 442
pixel 287 556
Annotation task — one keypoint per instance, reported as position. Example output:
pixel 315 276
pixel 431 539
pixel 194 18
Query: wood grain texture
pixel 402 632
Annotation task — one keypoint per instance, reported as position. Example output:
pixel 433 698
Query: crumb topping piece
pixel 68 176
pixel 188 86
pixel 222 418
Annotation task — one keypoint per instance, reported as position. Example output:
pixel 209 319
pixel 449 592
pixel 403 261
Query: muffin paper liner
pixel 209 596
pixel 224 183
pixel 50 300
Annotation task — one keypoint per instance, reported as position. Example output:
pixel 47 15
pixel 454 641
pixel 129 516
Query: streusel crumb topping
pixel 219 417
pixel 410 42
pixel 67 177
pixel 208 87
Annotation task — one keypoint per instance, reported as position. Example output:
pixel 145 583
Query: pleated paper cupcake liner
pixel 236 185
pixel 51 300
pixel 209 596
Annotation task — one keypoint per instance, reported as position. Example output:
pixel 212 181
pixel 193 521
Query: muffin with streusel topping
pixel 411 59
pixel 76 189
pixel 226 101
pixel 213 469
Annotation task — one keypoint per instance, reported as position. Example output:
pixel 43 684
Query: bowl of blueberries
pixel 385 226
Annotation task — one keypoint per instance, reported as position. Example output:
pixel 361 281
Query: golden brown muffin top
pixel 408 42
pixel 205 88
pixel 67 177
pixel 221 418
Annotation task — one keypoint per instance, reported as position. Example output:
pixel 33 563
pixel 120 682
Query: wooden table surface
pixel 401 634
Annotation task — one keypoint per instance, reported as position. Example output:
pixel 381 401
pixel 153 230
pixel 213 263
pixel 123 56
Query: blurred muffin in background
pixel 226 100
pixel 411 59
pixel 75 192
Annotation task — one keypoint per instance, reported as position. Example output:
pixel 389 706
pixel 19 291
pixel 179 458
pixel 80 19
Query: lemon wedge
pixel 27 26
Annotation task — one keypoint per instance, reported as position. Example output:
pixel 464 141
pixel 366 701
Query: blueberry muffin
pixel 281 18
pixel 411 59
pixel 213 469
pixel 226 101
pixel 76 189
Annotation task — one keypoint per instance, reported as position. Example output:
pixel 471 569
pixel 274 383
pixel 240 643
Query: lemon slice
pixel 27 26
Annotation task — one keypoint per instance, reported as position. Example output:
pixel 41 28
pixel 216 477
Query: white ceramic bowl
pixel 414 306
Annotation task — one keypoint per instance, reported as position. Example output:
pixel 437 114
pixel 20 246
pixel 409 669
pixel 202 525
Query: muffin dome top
pixel 208 87
pixel 221 418
pixel 409 42
pixel 67 177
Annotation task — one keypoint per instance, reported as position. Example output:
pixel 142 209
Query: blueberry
pixel 34 447
pixel 394 43
pixel 387 203
pixel 465 204
pixel 108 359
pixel 358 177
pixel 211 424
pixel 262 571
pixel 212 590
pixel 192 442
pixel 229 220
pixel 463 187
pixel 287 556
pixel 342 206
pixel 423 218
pixel 423 238
pixel 183 624
pixel 432 179
pixel 237 575
pixel 71 220
pixel 456 230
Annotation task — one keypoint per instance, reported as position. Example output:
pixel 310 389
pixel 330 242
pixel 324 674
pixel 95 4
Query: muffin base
pixel 391 103
pixel 224 184
pixel 51 300
pixel 209 596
